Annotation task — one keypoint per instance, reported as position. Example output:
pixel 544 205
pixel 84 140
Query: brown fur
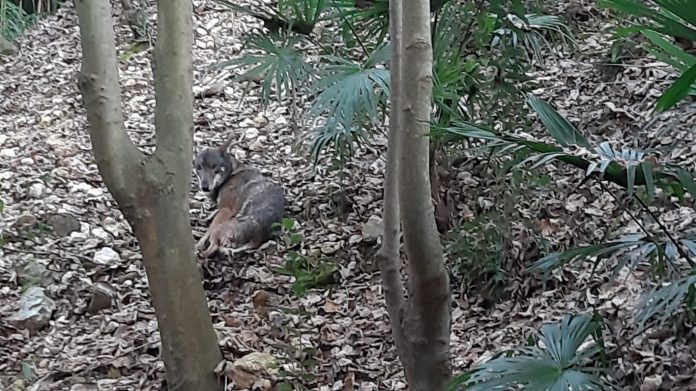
pixel 248 202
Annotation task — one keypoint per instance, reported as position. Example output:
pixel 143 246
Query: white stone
pixel 106 256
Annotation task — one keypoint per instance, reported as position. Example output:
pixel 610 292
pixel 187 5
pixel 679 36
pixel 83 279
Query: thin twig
pixel 622 206
pixel 662 226
pixel 350 26
pixel 669 235
pixel 45 253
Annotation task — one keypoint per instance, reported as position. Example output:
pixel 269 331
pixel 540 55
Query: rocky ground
pixel 335 338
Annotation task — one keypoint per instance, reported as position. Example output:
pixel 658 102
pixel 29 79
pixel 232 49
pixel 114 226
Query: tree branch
pixel 115 153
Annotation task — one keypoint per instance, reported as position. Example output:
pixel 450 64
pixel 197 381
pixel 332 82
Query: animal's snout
pixel 205 184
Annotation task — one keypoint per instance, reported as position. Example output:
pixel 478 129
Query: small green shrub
pixel 309 273
pixel 14 20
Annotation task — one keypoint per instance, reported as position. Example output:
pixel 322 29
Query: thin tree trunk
pixel 388 256
pixel 152 191
pixel 427 319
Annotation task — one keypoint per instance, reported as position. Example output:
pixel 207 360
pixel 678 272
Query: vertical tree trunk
pixel 427 321
pixel 152 191
pixel 421 325
pixel 388 256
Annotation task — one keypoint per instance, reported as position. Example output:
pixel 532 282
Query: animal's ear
pixel 226 144
pixel 234 163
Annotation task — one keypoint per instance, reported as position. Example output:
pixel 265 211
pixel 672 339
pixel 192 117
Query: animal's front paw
pixel 212 249
pixel 200 245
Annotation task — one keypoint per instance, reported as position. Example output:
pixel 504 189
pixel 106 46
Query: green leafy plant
pixel 631 249
pixel 665 18
pixel 350 96
pixel 560 364
pixel 349 88
pixel 308 273
pixel 299 16
pixel 663 301
pixel 530 32
pixel 14 20
pixel 480 249
pixel 484 61
pixel 625 167
pixel 277 61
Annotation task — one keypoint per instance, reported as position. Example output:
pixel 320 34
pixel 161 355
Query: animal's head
pixel 213 166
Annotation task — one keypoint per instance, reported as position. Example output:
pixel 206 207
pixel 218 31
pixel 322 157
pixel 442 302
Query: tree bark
pixel 152 191
pixel 388 256
pixel 427 319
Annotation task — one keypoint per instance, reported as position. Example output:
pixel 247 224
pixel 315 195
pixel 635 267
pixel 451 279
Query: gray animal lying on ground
pixel 249 204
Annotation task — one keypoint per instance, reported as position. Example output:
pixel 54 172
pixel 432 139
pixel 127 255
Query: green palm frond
pixel 625 167
pixel 675 18
pixel 630 250
pixel 672 17
pixel 560 365
pixel 683 86
pixel 662 302
pixel 299 16
pixel 530 32
pixel 281 65
pixel 449 67
pixel 558 127
pixel 351 97
pixel 597 251
pixel 371 23
pixel 307 12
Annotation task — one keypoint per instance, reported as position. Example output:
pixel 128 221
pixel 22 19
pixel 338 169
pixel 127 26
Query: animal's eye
pixel 198 167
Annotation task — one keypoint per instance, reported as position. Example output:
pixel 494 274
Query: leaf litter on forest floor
pixel 335 337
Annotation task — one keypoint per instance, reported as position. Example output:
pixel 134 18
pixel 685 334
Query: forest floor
pixel 338 334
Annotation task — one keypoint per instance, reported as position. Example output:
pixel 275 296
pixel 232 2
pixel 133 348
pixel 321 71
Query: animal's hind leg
pixel 213 235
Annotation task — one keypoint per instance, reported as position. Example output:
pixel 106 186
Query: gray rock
pixel 8 152
pixel 25 221
pixel 63 224
pixel 372 229
pixel 107 256
pixel 32 273
pixel 102 297
pixel 100 234
pixel 36 190
pixel 246 122
pixel 111 226
pixel 260 121
pixel 257 146
pixel 251 134
pixel 35 310
pixel 252 368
